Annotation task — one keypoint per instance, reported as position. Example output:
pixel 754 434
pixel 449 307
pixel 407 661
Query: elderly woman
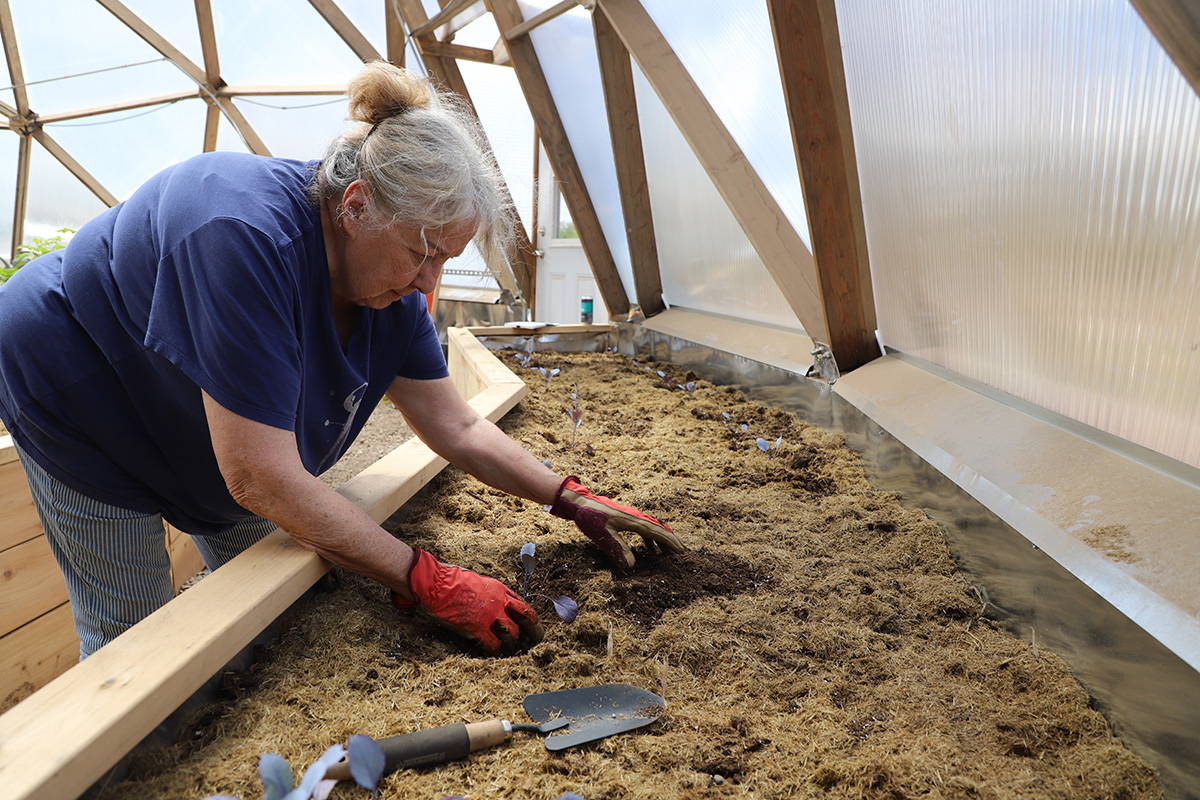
pixel 201 351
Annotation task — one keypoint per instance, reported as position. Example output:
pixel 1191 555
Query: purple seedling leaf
pixel 323 789
pixel 314 774
pixel 763 444
pixel 366 762
pixel 276 776
pixel 566 608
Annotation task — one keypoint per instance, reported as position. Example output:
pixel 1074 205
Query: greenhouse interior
pixel 940 256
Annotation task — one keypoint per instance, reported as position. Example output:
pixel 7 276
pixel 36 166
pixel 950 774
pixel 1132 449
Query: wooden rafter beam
pixel 456 51
pixel 1176 25
pixel 22 195
pixel 344 28
pixel 282 90
pixel 765 224
pixel 152 38
pixel 244 129
pixel 212 119
pixel 64 116
pixel 448 13
pixel 517 31
pixel 8 36
pixel 393 27
pixel 208 43
pixel 620 100
pixel 76 169
pixel 519 273
pixel 562 157
pixel 814 85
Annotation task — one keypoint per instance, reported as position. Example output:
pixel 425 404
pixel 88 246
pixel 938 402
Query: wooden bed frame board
pixel 64 737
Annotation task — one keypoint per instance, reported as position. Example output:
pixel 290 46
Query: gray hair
pixel 423 155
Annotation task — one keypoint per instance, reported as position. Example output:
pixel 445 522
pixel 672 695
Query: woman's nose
pixel 427 277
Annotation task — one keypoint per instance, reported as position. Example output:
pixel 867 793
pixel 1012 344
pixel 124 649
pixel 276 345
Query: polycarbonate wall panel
pixel 729 51
pixel 279 42
pixel 124 148
pixel 705 259
pixel 501 107
pixel 566 47
pixel 61 38
pixel 1030 177
pixel 56 198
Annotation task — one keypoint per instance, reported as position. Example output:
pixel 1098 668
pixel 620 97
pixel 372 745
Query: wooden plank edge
pixel 36 653
pixel 513 330
pixel 58 741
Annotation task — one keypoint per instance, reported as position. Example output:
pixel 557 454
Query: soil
pixel 817 639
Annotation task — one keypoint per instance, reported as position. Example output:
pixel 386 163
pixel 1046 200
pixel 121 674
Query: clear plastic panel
pixel 295 126
pixel 505 116
pixel 368 17
pixel 566 47
pixel 279 42
pixel 8 186
pixel 124 148
pixel 1030 176
pixel 177 23
pixel 56 197
pixel 60 40
pixel 729 51
pixel 705 260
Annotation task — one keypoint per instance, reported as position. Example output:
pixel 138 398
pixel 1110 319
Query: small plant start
pixel 566 608
pixel 575 414
pixel 765 446
pixel 366 767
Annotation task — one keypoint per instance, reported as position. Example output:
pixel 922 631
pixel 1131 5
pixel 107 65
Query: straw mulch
pixel 816 641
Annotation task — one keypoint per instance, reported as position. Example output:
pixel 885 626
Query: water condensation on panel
pixel 705 260
pixel 729 51
pixel 566 48
pixel 1030 177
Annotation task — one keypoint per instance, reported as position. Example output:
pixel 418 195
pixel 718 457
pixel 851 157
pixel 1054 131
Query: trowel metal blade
pixel 595 712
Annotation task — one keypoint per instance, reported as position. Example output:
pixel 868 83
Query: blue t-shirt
pixel 211 276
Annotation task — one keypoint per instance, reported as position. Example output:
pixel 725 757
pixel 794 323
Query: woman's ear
pixel 355 205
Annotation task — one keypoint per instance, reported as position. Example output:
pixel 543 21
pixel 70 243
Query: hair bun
pixel 382 90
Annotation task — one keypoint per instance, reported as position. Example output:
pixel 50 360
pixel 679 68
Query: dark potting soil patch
pixel 817 640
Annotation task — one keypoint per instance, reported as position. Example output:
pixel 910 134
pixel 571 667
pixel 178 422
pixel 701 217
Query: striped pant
pixel 115 561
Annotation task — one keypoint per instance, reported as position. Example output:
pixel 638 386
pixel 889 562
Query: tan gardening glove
pixel 602 521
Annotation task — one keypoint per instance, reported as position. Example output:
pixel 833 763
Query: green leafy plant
pixel 39 247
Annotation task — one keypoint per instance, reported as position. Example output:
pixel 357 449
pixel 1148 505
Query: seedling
pixel 765 446
pixel 366 767
pixel 524 358
pixel 548 374
pixel 566 608
pixel 689 387
pixel 575 414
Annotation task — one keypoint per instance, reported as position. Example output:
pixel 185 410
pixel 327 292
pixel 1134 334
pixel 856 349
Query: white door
pixel 564 276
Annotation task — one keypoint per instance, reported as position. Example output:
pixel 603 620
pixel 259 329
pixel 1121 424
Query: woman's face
pixel 374 267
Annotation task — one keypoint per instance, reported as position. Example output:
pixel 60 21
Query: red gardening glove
pixel 471 605
pixel 601 520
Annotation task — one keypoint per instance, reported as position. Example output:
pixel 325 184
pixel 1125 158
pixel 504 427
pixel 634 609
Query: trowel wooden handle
pixel 432 746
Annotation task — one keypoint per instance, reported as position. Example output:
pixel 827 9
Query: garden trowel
pixel 574 716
